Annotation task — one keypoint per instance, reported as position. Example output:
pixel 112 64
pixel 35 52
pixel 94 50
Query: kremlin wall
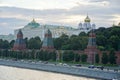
pixel 48 45
pixel 48 32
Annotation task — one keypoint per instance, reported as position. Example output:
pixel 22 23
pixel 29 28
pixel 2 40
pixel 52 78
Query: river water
pixel 12 73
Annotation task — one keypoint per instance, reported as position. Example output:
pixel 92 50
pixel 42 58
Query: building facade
pixel 34 29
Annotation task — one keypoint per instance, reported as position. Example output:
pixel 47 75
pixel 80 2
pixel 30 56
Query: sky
pixel 15 14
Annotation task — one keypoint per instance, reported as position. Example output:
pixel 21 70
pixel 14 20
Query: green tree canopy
pixel 104 58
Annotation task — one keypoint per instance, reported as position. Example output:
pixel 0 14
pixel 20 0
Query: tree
pixel 101 40
pixel 4 44
pixel 68 56
pixel 97 58
pixel 76 57
pixel 26 42
pixel 74 43
pixel 61 41
pixel 114 42
pixel 66 47
pixel 82 34
pixel 108 37
pixel 34 43
pixel 104 58
pixel 112 57
pixel 57 43
pixel 1 44
pixel 101 48
pixel 12 43
pixel 53 56
pixel 83 42
pixel 83 57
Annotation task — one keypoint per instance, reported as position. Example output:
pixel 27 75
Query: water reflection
pixel 11 73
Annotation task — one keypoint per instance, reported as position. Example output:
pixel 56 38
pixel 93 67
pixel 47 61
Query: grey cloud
pixel 53 16
pixel 12 21
pixel 8 25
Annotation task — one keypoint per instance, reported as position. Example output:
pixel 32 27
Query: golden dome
pixel 87 19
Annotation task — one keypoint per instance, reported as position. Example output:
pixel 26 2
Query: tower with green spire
pixel 48 41
pixel 19 43
pixel 91 50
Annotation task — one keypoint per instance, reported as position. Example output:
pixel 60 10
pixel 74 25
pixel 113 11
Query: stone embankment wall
pixel 64 69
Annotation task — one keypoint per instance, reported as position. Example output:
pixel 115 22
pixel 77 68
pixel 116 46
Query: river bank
pixel 99 74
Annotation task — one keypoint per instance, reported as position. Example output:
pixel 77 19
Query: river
pixel 13 73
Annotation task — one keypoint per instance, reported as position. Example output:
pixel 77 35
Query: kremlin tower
pixel 19 43
pixel 91 50
pixel 48 41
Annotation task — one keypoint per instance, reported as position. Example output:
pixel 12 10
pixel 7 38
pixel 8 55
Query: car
pixel 60 63
pixel 14 59
pixel 78 65
pixel 22 60
pixel 45 62
pixel 100 67
pixel 29 60
pixel 40 61
pixel 91 66
pixel 64 64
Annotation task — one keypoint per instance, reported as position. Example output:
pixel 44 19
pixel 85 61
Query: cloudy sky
pixel 15 14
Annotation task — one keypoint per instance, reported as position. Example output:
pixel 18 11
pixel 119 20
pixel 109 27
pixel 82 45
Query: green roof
pixel 33 24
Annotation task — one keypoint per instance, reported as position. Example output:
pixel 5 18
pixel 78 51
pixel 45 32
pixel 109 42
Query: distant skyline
pixel 15 14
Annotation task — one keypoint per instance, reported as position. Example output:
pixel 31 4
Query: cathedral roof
pixel 33 24
pixel 87 19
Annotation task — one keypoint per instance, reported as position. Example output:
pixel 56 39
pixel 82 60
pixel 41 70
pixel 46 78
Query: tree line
pixel 106 39
pixel 67 56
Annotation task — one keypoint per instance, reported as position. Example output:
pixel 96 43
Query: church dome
pixel 33 24
pixel 87 19
pixel 80 24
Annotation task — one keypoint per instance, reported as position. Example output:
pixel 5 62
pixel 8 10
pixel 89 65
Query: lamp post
pixel 56 56
pixel 62 56
pixel 94 57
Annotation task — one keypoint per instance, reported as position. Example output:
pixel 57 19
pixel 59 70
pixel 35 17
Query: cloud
pixel 101 12
pixel 8 25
